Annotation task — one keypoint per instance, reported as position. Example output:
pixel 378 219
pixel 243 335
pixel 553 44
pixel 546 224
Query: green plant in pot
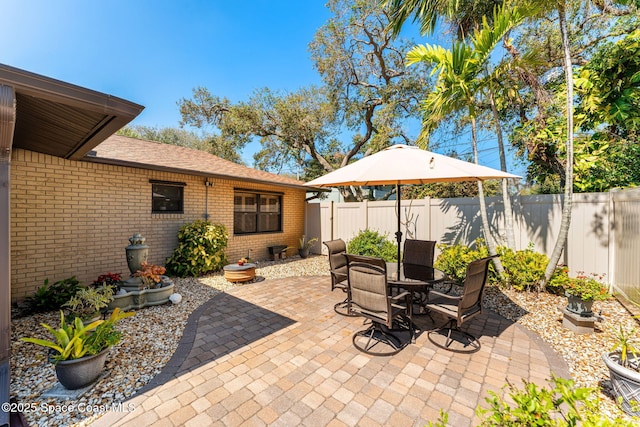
pixel 623 362
pixel 79 351
pixel 305 245
pixel 88 302
pixel 581 292
pixel 150 275
pixel 112 279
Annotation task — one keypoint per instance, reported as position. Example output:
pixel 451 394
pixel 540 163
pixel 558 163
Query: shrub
pixel 48 298
pixel 112 279
pixel 371 243
pixel 558 281
pixel 74 340
pixel 586 288
pixel 523 269
pixel 563 406
pixel 201 247
pixel 88 301
pixel 453 259
pixel 150 275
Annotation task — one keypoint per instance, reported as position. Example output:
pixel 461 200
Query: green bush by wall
pixel 371 243
pixel 201 249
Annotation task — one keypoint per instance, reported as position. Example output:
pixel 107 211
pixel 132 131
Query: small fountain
pixel 132 293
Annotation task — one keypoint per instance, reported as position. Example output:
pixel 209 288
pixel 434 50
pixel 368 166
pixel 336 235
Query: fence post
pixel 331 214
pixel 611 247
pixel 365 208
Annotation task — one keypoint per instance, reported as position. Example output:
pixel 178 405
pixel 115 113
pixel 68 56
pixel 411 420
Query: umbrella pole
pixel 399 232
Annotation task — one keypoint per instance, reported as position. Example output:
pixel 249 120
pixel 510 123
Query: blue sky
pixel 155 52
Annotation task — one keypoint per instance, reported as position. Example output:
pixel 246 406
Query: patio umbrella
pixel 404 164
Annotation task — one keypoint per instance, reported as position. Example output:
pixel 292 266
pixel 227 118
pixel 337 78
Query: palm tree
pixel 459 81
pixel 463 16
pixel 426 13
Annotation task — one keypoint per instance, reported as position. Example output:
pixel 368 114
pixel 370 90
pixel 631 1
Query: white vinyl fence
pixel 625 243
pixel 596 244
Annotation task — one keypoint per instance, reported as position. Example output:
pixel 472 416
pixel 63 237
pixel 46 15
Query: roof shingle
pixel 127 151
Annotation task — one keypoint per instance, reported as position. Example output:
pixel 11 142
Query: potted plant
pixel 78 350
pixel 147 287
pixel 581 291
pixel 624 365
pixel 112 279
pixel 305 245
pixel 150 275
pixel 88 301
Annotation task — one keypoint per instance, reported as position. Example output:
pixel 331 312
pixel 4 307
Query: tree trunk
pixel 506 199
pixel 568 188
pixel 483 205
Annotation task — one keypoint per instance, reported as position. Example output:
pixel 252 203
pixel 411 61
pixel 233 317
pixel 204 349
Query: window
pixel 167 197
pixel 256 212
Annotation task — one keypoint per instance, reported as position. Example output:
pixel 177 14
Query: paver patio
pixel 275 353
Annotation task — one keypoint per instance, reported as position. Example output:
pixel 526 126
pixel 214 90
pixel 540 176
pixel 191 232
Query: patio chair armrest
pixel 452 282
pixel 443 295
pixel 400 296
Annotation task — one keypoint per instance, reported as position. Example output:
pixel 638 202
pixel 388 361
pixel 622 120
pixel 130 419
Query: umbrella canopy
pixel 403 164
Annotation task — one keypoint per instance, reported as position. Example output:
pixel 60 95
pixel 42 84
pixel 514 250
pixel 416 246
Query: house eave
pixel 62 119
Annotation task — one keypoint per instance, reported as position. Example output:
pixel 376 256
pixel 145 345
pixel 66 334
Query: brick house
pixel 75 216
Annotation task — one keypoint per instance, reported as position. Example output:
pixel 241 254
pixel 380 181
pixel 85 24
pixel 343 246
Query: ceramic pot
pixel 579 306
pixel 625 382
pixel 77 373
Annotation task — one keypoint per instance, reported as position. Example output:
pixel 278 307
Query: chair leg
pixel 342 308
pixel 469 343
pixel 376 335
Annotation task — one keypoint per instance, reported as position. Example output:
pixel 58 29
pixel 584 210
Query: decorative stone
pixel 175 298
pixel 577 323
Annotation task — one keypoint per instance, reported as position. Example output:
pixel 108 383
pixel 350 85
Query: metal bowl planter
pixel 625 383
pixel 137 298
pixel 77 373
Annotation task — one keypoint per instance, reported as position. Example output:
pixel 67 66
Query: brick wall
pixel 74 218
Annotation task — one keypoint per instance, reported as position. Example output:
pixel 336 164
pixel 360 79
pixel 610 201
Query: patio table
pixel 416 279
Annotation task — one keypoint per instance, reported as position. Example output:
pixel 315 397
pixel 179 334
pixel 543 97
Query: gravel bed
pixel 137 358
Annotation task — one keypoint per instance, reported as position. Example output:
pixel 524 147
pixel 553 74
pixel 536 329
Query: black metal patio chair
pixel 338 269
pixel 390 319
pixel 460 309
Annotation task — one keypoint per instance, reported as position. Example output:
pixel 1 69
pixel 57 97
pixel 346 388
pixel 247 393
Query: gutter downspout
pixel 7 127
